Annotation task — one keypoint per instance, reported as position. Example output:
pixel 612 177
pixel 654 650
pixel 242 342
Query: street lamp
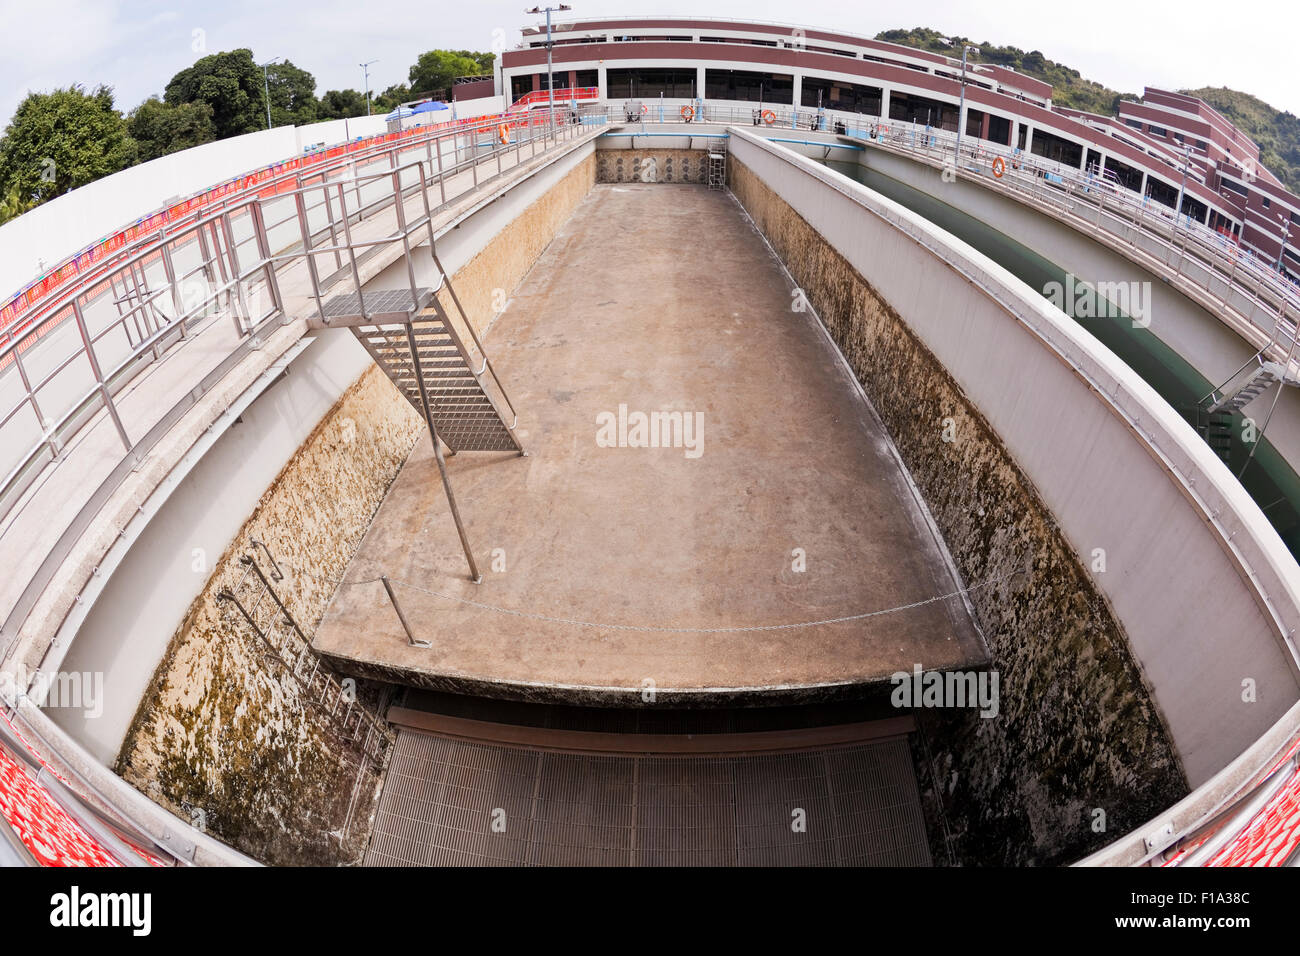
pixel 266 87
pixel 550 79
pixel 365 69
pixel 1286 234
pixel 961 108
pixel 1182 189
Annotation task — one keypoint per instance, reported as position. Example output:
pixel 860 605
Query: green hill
pixel 1276 132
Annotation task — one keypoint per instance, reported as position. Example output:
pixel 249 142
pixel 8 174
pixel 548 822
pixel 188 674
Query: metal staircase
pixel 288 649
pixel 1244 387
pixel 465 415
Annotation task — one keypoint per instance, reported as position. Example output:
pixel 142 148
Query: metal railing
pixel 257 261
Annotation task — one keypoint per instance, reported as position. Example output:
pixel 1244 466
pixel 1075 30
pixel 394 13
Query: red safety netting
pixel 45 828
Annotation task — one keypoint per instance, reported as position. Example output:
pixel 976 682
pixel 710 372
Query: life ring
pixel 769 117
pixel 688 113
pixel 644 109
pixel 999 167
pixel 504 132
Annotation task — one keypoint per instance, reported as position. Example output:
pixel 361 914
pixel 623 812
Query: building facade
pixel 1163 147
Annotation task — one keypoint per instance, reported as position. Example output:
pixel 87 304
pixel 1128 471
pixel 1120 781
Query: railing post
pixel 442 177
pixel 268 267
pixel 88 347
pixel 242 313
pixel 301 205
pixel 170 271
pixel 402 617
pixel 50 440
pixel 352 256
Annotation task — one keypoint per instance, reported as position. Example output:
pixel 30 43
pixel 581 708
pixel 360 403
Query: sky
pixel 136 46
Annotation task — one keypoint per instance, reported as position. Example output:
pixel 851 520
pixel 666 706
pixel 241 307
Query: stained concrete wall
pixel 652 166
pixel 1059 449
pixel 131 623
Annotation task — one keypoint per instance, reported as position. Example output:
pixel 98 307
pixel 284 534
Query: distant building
pixel 1146 149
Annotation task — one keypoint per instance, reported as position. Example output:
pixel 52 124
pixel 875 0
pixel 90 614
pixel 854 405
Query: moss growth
pixel 222 737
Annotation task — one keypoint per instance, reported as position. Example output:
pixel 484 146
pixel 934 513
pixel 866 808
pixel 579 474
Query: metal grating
pixel 567 809
pixel 466 416
pixel 381 305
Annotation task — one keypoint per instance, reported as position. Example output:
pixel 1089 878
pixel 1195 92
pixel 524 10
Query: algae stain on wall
pixel 219 738
pixel 1078 729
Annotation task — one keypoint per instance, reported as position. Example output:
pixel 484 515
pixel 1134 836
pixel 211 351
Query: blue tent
pixel 402 112
pixel 429 106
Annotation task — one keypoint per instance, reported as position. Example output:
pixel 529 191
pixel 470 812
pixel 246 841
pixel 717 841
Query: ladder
pixel 288 650
pixel 718 163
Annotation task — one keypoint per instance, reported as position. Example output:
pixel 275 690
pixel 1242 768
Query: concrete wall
pixel 1059 450
pixel 651 165
pixel 131 623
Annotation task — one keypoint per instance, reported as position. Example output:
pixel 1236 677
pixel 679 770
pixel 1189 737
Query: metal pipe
pixel 410 636
pixel 437 454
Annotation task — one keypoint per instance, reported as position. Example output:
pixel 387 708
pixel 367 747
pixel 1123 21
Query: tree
pixel 339 104
pixel 160 128
pixel 391 98
pixel 293 95
pixel 11 205
pixel 484 60
pixel 60 140
pixel 231 84
pixel 434 71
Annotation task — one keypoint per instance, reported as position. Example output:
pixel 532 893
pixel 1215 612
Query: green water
pixel 1269 479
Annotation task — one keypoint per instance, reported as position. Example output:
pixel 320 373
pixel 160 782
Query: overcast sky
pixel 136 46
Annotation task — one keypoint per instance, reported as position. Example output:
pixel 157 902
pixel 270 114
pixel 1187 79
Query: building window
pixel 1162 192
pixel 648 83
pixel 1233 187
pixel 1055 148
pixel 910 108
pixel 1157 131
pixel 834 95
pixel 1124 174
pixel 748 86
pixel 1266 202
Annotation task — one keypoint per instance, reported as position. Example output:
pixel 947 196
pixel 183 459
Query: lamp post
pixel 961 108
pixel 266 88
pixel 1286 234
pixel 550 78
pixel 1182 189
pixel 365 70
